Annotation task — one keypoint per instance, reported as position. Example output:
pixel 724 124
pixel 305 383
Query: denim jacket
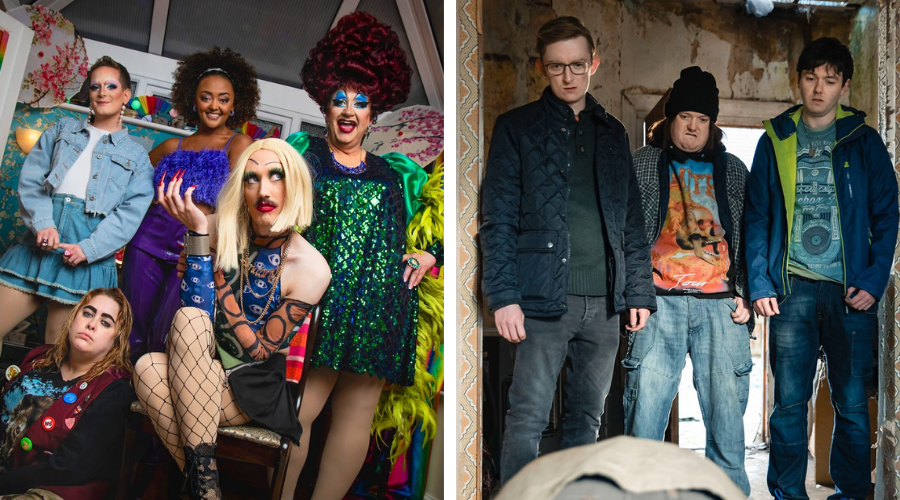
pixel 120 188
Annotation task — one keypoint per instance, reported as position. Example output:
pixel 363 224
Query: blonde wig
pixel 233 219
pixel 117 357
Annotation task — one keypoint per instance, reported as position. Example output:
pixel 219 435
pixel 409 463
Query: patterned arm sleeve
pixel 271 336
pixel 197 286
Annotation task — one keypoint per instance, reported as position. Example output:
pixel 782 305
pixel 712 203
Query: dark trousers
pixel 588 336
pixel 815 314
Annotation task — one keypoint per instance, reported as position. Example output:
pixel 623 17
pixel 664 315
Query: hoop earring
pixel 195 108
pixel 232 113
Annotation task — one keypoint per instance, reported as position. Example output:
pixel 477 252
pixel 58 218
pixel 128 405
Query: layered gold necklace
pixel 270 275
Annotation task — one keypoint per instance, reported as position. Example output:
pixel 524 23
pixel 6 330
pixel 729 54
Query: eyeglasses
pixel 577 68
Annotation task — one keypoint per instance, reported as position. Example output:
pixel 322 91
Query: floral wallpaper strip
pixel 469 388
pixel 11 228
pixel 887 471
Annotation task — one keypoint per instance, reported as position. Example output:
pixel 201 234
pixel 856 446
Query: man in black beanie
pixel 692 193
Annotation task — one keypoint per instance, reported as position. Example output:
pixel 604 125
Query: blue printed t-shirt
pixel 815 246
pixel 27 398
pixel 690 256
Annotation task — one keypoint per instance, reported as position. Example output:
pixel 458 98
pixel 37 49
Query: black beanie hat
pixel 694 91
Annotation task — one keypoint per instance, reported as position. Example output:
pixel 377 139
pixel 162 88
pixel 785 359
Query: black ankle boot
pixel 201 473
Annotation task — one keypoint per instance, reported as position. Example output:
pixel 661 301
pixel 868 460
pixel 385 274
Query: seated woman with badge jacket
pixel 62 418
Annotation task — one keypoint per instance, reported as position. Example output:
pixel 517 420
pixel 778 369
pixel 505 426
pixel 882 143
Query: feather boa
pixel 408 408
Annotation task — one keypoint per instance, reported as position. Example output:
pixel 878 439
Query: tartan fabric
pixel 646 167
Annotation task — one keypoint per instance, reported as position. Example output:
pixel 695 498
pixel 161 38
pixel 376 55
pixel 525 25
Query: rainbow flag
pixel 4 39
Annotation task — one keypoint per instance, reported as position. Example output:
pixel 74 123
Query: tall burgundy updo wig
pixel 363 54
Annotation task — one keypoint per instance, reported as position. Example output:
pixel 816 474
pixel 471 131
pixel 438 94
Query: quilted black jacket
pixel 524 234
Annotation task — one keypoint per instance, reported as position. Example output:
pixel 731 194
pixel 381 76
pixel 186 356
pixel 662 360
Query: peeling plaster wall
pixel 643 45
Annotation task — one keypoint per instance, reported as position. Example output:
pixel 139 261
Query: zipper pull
pixel 849 186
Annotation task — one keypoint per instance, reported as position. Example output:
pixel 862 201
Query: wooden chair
pixel 244 443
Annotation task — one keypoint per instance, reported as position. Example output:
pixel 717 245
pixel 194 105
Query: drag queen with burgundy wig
pixel 367 335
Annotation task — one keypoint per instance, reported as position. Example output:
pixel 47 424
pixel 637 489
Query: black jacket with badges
pixel 524 233
pixel 74 446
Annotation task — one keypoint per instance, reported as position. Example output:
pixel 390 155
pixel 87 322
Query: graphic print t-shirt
pixel 690 256
pixel 815 247
pixel 27 398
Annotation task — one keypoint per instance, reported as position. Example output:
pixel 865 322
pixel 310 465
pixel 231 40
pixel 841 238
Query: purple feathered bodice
pixel 208 169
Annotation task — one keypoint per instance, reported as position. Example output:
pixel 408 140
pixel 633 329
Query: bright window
pixel 741 142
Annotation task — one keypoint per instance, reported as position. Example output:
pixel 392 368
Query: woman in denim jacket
pixel 83 191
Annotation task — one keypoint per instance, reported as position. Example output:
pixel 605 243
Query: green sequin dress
pixel 368 322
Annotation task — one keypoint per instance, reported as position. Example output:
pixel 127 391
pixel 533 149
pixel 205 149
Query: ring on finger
pixel 413 263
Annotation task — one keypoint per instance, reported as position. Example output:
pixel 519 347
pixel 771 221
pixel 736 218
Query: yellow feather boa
pixel 404 408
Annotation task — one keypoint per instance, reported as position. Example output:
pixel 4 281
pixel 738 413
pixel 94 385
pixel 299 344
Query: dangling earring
pixel 121 115
pixel 91 114
pixel 368 131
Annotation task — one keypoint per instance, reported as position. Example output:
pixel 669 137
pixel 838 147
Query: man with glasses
pixel 564 246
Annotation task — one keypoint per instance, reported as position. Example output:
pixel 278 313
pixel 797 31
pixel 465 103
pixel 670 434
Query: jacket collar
pixel 848 121
pixel 115 137
pixel 560 110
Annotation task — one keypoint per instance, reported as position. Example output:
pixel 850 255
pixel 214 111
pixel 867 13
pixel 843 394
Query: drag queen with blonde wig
pixel 243 296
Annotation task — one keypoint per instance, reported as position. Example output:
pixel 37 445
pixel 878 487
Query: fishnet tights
pixel 183 390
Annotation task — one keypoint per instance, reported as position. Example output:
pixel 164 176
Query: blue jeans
pixel 720 354
pixel 815 314
pixel 588 335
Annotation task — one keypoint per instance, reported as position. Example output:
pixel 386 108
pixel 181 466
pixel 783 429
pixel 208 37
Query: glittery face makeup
pixel 347 118
pixel 106 93
pixel 263 189
pixel 108 85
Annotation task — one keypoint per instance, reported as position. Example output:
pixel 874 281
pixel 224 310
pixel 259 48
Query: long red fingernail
pixel 195 185
pixel 162 180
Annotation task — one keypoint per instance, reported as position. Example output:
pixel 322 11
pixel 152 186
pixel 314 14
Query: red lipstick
pixel 265 206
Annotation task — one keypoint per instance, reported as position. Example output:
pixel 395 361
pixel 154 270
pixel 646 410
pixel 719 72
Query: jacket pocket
pixel 121 169
pixel 65 150
pixel 537 263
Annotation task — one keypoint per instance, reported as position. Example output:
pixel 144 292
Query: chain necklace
pixel 350 170
pixel 273 277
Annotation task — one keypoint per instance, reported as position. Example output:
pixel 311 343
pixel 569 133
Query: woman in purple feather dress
pixel 218 90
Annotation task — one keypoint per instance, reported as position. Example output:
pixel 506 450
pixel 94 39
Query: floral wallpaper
pixel 58 63
pixel 416 131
